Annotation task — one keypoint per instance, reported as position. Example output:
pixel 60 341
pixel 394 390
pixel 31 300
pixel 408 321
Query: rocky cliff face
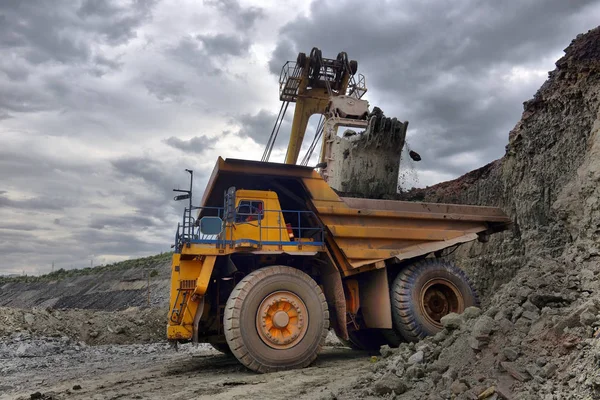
pixel 539 334
pixel 109 288
pixel 548 179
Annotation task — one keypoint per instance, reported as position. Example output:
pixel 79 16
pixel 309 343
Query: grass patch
pixel 145 262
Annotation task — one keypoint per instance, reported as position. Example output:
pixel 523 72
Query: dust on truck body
pixel 275 258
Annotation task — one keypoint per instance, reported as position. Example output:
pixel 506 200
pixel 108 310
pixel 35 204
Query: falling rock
pixel 389 383
pixel 451 321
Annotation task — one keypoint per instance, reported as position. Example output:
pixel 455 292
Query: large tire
pixel 426 291
pixel 275 319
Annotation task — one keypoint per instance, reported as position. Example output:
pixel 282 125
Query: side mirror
pixel 211 225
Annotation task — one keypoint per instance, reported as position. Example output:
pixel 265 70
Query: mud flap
pixel 199 311
pixel 375 299
pixel 334 293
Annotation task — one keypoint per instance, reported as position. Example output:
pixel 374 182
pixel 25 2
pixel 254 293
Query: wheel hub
pixel 440 297
pixel 281 320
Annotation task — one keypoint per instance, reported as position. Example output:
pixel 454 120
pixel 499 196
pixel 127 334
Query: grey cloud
pixel 14 71
pixel 37 203
pixel 205 53
pixel 224 44
pixel 123 222
pixel 20 227
pixel 43 32
pixel 243 17
pixel 285 51
pixel 102 60
pixel 151 171
pixel 260 125
pixel 120 243
pixel 441 65
pixel 16 98
pixel 166 89
pixel 62 34
pixel 189 52
pixel 197 144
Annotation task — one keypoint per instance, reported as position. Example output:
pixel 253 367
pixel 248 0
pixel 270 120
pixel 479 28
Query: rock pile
pixel 134 325
pixel 538 336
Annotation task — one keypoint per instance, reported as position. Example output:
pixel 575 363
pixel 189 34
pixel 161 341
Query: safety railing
pixel 300 228
pixel 289 81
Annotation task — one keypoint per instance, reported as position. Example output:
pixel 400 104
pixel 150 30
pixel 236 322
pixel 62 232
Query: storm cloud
pixel 103 104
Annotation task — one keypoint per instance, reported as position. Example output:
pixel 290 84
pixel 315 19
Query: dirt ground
pixel 156 371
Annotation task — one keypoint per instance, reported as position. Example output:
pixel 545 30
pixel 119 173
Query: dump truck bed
pixel 361 233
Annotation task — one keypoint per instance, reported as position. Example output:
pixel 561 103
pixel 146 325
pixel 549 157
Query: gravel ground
pixel 59 368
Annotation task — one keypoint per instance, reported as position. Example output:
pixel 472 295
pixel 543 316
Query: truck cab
pixel 258 218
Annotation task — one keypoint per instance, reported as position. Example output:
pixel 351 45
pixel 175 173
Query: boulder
pixel 389 383
pixel 451 321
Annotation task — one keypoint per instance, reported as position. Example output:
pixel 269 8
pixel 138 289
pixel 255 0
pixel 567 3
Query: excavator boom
pixel 333 89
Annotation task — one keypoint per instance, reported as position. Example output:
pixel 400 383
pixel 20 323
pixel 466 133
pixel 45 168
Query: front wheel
pixel 425 292
pixel 276 318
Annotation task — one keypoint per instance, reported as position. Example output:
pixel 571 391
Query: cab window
pixel 249 210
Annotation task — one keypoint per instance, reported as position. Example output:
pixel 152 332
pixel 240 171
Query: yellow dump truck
pixel 273 258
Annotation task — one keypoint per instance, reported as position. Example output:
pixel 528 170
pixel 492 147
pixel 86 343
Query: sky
pixel 104 104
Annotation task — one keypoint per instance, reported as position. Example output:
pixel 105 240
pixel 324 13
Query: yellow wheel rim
pixel 282 320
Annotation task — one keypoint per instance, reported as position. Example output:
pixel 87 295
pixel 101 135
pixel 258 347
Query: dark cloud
pixel 197 144
pixel 95 95
pixel 243 17
pixel 123 222
pixel 260 125
pixel 190 52
pixel 222 44
pixel 42 32
pixel 205 54
pixel 444 67
pixel 166 89
pixel 37 203
pixel 60 35
pixel 151 171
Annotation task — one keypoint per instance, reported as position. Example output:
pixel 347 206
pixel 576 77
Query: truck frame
pixel 274 258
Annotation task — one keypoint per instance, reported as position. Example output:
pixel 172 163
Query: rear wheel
pixel 276 318
pixel 426 291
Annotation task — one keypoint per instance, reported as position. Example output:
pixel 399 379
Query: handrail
pixel 189 231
